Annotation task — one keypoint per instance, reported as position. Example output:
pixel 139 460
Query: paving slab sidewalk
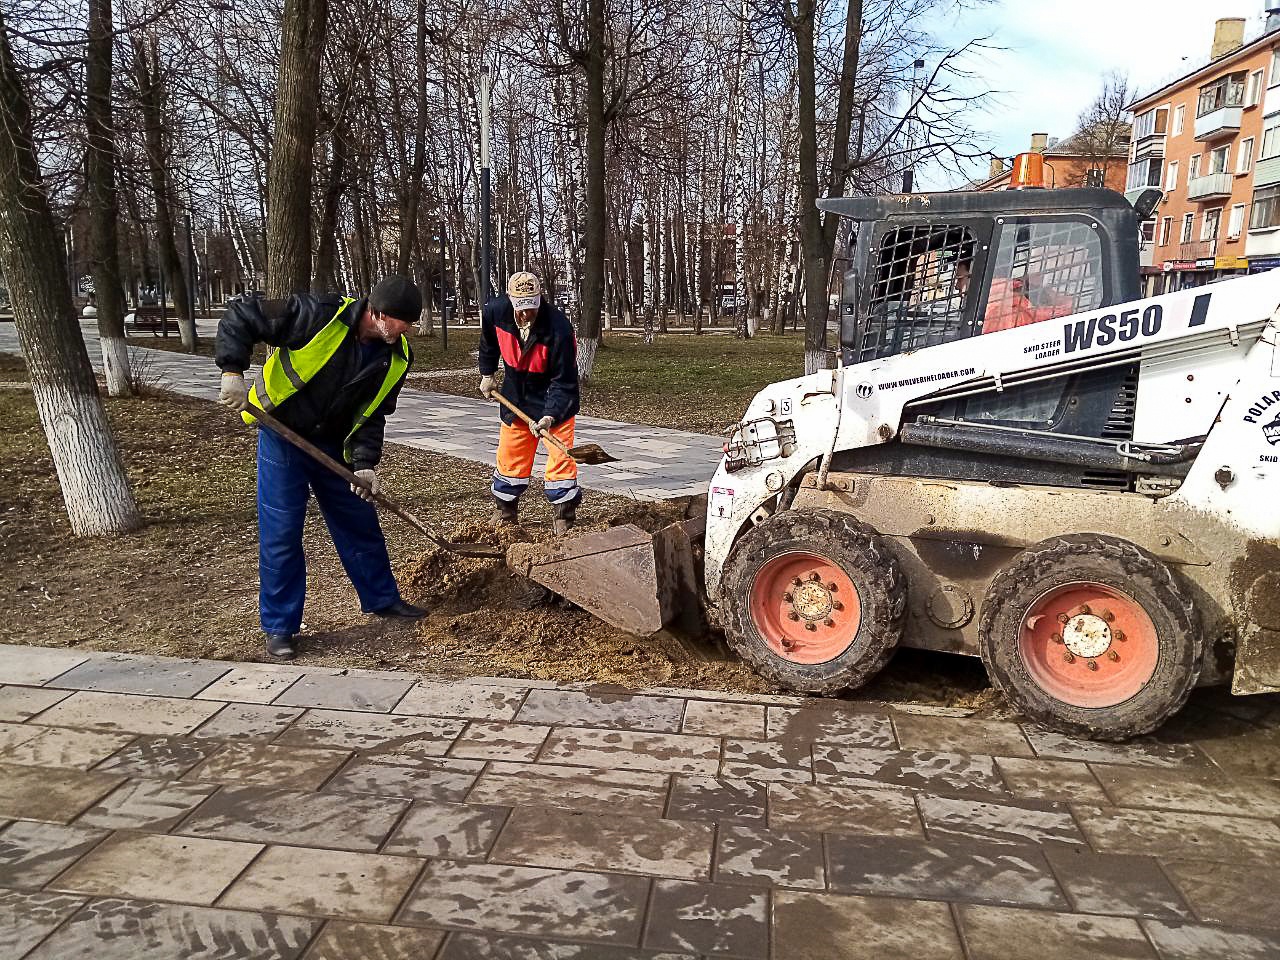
pixel 159 808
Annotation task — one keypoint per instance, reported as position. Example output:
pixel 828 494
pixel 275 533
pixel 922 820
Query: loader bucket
pixel 637 581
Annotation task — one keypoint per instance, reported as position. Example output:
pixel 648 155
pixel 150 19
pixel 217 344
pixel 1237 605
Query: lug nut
pixel 814 578
pixel 1063 619
pixel 1057 638
pixel 811 626
pixel 793 615
pixel 1093 664
pixel 831 587
pixel 828 622
pixel 796 581
pixel 1107 615
pixel 787 598
pixel 1069 657
pixel 1118 635
pixel 1113 656
pixel 1084 610
pixel 837 605
pixel 787 644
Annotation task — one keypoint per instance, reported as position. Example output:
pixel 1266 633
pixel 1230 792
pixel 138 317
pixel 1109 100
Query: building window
pixel 1179 119
pixel 1148 230
pixel 1254 95
pixel 1193 171
pixel 1224 92
pixel 1244 161
pixel 1188 224
pixel 1209 229
pixel 1145 173
pixel 1171 181
pixel 1153 123
pixel 1166 227
pixel 1275 67
pixel 1235 226
pixel 1220 160
pixel 1265 212
pixel 1270 142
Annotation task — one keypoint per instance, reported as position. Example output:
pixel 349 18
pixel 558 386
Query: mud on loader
pixel 1016 458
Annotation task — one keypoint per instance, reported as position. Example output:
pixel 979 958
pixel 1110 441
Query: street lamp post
pixel 908 174
pixel 486 232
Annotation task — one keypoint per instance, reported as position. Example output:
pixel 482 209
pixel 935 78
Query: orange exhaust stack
pixel 1028 172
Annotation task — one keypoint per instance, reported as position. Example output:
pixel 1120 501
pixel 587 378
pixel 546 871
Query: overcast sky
pixel 1054 55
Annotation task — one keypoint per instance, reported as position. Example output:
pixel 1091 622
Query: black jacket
pixel 542 372
pixel 327 406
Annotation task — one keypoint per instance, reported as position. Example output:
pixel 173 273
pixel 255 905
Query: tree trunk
pixel 150 79
pixel 100 190
pixel 95 487
pixel 302 30
pixel 594 216
pixel 811 235
pixel 326 279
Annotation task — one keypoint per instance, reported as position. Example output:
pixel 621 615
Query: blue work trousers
pixel 286 479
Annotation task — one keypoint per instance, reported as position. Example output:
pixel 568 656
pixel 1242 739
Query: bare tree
pixel 1103 132
pixel 289 200
pixel 95 487
pixel 100 191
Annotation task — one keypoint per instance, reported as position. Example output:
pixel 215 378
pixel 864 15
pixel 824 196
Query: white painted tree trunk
pixel 115 366
pixel 587 357
pixel 646 305
pixel 95 487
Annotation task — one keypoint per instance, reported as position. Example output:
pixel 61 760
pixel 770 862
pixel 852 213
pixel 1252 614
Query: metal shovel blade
pixel 590 454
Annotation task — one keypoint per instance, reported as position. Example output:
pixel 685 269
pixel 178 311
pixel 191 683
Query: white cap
pixel 525 291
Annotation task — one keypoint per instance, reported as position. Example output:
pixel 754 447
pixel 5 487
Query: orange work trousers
pixel 517 445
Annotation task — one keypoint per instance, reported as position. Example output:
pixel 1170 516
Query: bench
pixel 152 318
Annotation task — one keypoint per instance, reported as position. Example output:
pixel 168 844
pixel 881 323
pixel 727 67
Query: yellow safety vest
pixel 288 371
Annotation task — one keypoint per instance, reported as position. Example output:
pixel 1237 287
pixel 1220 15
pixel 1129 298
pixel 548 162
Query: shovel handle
pixel 545 434
pixel 302 443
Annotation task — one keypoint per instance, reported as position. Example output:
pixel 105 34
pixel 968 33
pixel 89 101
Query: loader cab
pixel 930 269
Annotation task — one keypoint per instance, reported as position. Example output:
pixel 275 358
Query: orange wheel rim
pixel 1089 645
pixel 805 608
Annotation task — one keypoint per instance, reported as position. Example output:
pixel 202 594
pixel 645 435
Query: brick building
pixel 1211 141
pixel 1072 162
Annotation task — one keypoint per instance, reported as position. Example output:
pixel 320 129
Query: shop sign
pixel 1207 263
pixel 1231 263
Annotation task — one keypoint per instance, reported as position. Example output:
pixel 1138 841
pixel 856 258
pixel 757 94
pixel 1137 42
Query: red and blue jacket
pixel 542 372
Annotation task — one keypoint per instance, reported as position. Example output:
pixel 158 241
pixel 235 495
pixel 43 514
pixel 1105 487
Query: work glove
pixel 486 387
pixel 545 424
pixel 371 478
pixel 234 392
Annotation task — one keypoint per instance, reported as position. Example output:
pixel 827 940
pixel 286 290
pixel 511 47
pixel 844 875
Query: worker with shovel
pixel 537 347
pixel 334 375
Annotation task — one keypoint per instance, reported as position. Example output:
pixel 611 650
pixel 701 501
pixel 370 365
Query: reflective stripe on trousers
pixel 517 446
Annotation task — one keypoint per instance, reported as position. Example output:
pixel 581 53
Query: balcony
pixel 1221 123
pixel 1271 103
pixel 1266 172
pixel 1199 250
pixel 1216 186
pixel 1145 148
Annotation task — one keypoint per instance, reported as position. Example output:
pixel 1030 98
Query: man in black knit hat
pixel 333 375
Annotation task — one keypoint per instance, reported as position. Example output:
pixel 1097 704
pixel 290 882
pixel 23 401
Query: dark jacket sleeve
pixel 488 354
pixel 250 321
pixel 366 445
pixel 562 391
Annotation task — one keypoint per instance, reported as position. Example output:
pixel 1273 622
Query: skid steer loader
pixel 1016 457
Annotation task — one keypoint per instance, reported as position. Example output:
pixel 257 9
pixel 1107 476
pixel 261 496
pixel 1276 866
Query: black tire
pixel 865 559
pixel 1125 568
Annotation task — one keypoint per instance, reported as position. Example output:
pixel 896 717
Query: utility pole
pixel 908 174
pixel 486 231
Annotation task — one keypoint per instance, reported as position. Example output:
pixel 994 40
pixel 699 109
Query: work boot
pixel 505 514
pixel 405 611
pixel 564 520
pixel 281 646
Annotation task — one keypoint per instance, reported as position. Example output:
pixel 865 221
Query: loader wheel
pixel 1091 636
pixel 815 601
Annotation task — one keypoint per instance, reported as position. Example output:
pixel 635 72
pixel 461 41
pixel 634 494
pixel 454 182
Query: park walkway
pixel 156 808
pixel 653 463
